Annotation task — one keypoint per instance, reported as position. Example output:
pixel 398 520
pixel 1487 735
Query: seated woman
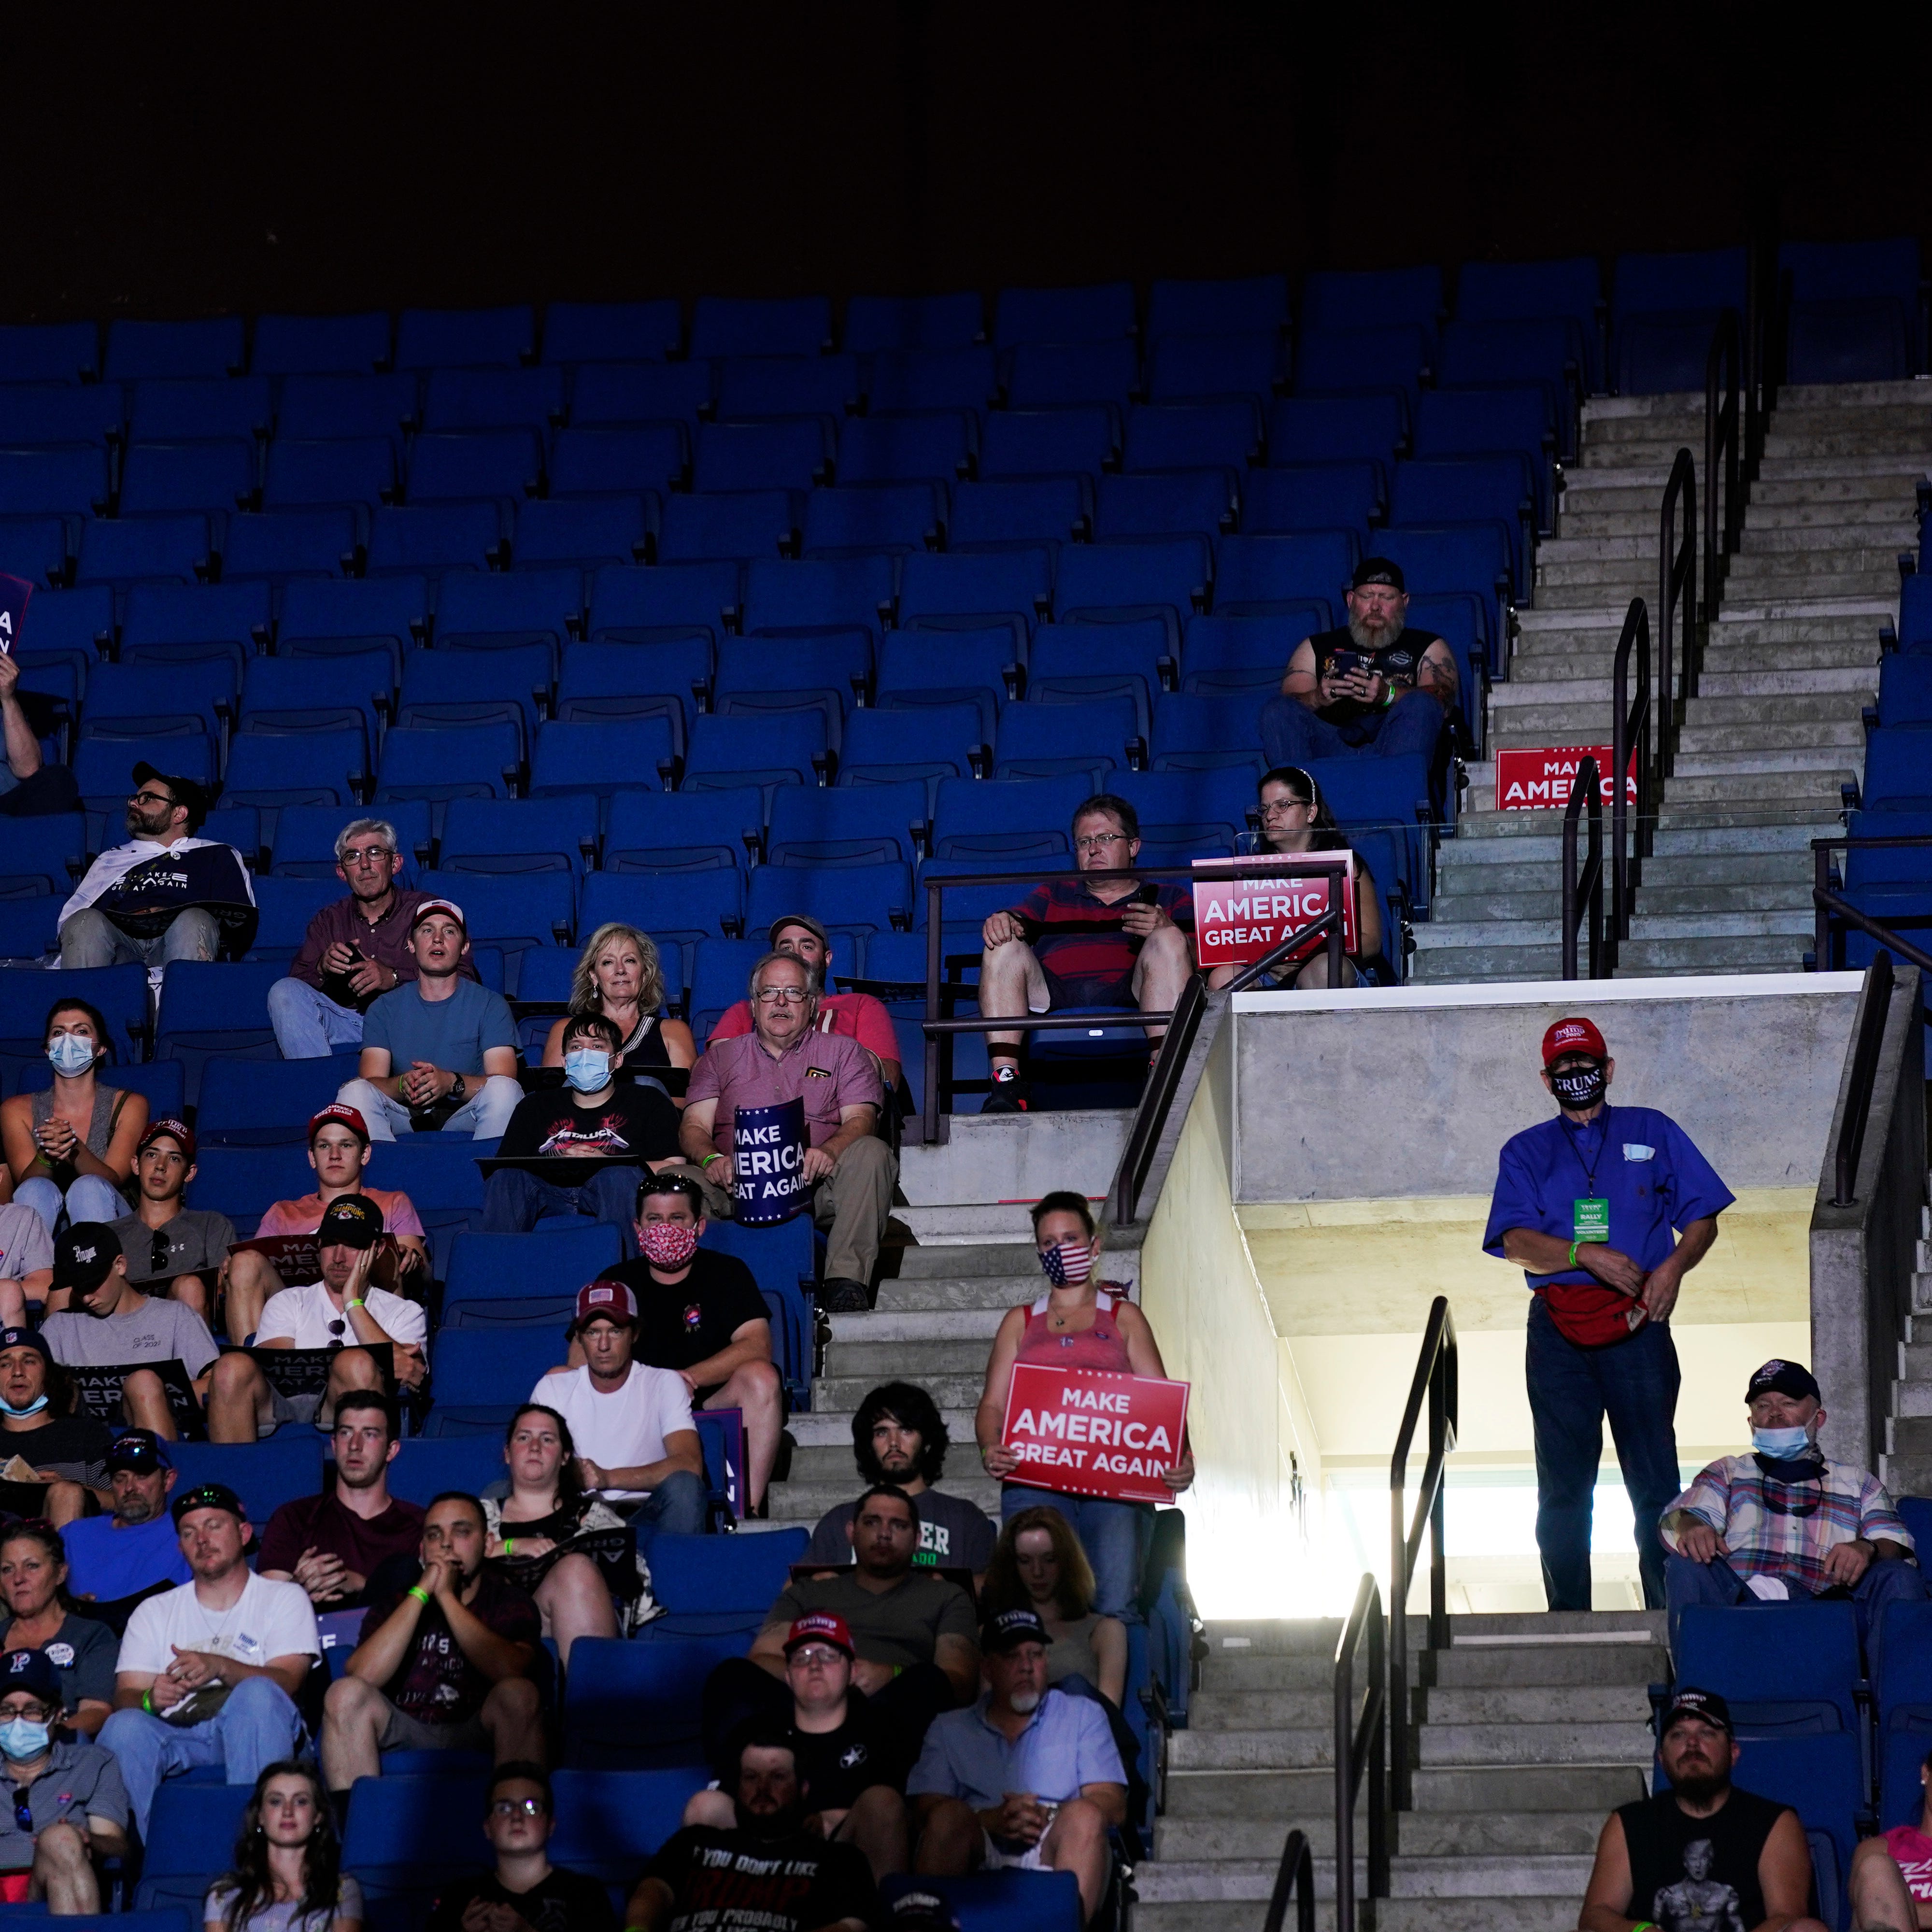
pixel 64 1455
pixel 288 1875
pixel 619 975
pixel 1039 1565
pixel 568 1550
pixel 83 1651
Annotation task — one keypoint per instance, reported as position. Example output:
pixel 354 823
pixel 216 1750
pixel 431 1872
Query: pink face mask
pixel 667 1244
pixel 1068 1263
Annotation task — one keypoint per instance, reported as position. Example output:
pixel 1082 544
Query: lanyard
pixel 1571 1136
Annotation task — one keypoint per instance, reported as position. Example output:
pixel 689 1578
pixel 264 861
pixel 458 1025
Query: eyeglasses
pixel 335 1330
pixel 367 855
pixel 151 798
pixel 1095 841
pixel 785 996
pixel 23 1808
pixel 158 1250
pixel 517 1807
pixel 1278 807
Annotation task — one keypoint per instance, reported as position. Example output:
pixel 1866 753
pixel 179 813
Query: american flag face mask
pixel 1067 1264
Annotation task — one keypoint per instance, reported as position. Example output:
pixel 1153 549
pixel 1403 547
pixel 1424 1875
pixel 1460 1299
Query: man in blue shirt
pixel 439 1052
pixel 1028 1779
pixel 1586 1205
pixel 115 1561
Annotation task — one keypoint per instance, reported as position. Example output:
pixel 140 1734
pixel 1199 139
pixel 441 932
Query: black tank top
pixel 1698 1874
pixel 1398 663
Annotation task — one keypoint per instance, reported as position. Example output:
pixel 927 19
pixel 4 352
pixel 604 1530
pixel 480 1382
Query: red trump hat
pixel 1573 1036
pixel 612 1300
pixel 819 1627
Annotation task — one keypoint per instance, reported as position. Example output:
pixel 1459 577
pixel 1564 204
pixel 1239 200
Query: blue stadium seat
pixel 683 911
pixel 817 825
pixel 1664 308
pixel 39 413
pixel 1898 770
pixel 928 742
pixel 1570 289
pixel 1167 578
pixel 501 611
pixel 285 907
pixel 102 765
pixel 914 381
pixel 323 409
pixel 1198 502
pixel 739 325
pixel 623 461
pixel 353 472
pixel 857 901
pixel 455 761
pixel 785 599
pixel 1015 819
pixel 679 832
pixel 712 1583
pixel 504 465
pixel 586 532
pixel 1071 662
pixel 161 615
pixel 1091 736
pixel 1351 301
pixel 975 668
pixel 1188 368
pixel 190 1842
pixel 1313 496
pixel 120 992
pixel 136 349
pixel 1905 690
pixel 410 1834
pixel 882 322
pixel 641 392
pixel 1392 357
pixel 641 332
pixel 275 768
pixel 471 399
pixel 1548 356
pixel 517 836
pixel 242 1182
pixel 1047 442
pixel 426 1466
pixel 75 627
pixel 465 338
pixel 931 449
pixel 1226 654
pixel 276 548
pixel 872 520
pixel 165 697
pixel 1191 436
pixel 734 457
pixel 618 681
pixel 820 672
pixel 1798 1679
pixel 1197 812
pixel 432 537
pixel 1190 730
pixel 1856 312
pixel 559 1261
pixel 1057 375
pixel 159 478
pixel 1336 429
pixel 1259 575
pixel 638 606
pixel 479 1381
pixel 35 547
pixel 1041 513
pixel 603 756
pixel 754 387
pixel 1493 491
pixel 1242 305
pixel 201 410
pixel 1484 422
pixel 789 748
pixel 445 688
pixel 212 1008
pixel 609 1822
pixel 69 481
pixel 319 614
pixel 636 1705
pixel 304 841
pixel 43 849
pixel 1090 314
pixel 1470 559
pixel 734 524
pixel 262 1102
pixel 953 592
pixel 50 352
pixel 264 1474
pixel 288 345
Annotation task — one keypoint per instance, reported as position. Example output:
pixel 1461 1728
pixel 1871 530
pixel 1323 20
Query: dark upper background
pixel 183 161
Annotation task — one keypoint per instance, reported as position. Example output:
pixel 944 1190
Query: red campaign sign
pixel 1090 1432
pixel 1540 781
pixel 1237 921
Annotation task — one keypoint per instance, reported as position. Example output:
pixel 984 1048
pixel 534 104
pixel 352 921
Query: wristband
pixel 1645 1925
pixel 148 1702
pixel 509 1546
pixel 417 1590
pixel 358 1303
pixel 707 1160
pixel 898 1669
pixel 1574 1246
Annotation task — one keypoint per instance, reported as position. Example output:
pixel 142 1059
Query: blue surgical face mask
pixel 586 1070
pixel 33 1407
pixel 1781 1444
pixel 21 1739
pixel 70 1053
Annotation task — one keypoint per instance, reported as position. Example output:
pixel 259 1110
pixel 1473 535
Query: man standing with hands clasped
pixel 1586 1205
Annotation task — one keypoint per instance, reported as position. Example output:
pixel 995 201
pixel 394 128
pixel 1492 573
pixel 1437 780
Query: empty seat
pixel 1044 513
pixel 1183 368
pixel 323 409
pixel 667 678
pixel 136 349
pixel 1663 309
pixel 816 595
pixel 975 667
pixel 1045 740
pixel 43 848
pixel 466 761
pixel 1224 655
pixel 784 326
pixel 274 768
pixel 790 748
pixel 319 613
pixel 36 548
pixel 916 381
pixel 70 481
pixel 262 1102
pixel 677 832
pixel 500 609
pixel 359 472
pixel 432 537
pixel 284 909
pixel 750 387
pixel 328 694
pixel 585 532
pixel 927 742
pixel 38 413
pixel 277 546
pixel 1570 288
pixel 159 615
pixel 599 755
pixel 1484 422
pixel 1055 375
pixel 508 685
pixel 1070 662
pixel 964 592
pixel 504 465
pixel 737 524
pixel 465 338
pixel 879 322
pixel 1548 354
pixel 1348 302
pixel 1090 314
pixel 1261 574
pixel 1391 358
pixel 1202 811
pixel 904 449
pixel 886 519
pixel 210 1007
pixel 288 345
pixel 1856 310
pixel 1800 1679
pixel 462 399
pixel 50 352
pixel 857 900
pixel 122 552
pixel 1191 436
pixel 784 455
pixel 672 601
pixel 1193 731
pixel 1334 429
pixel 1312 497
pixel 1010 818
pixel 640 392
pixel 812 825
pixel 820 672
pixel 1489 490
pixel 519 835
pixel 159 477
pixel 1239 305
pixel 201 410
pixel 1047 442
pixel 1197 502
pixel 1167 578
pixel 600 462
pixel 166 696
pixel 642 331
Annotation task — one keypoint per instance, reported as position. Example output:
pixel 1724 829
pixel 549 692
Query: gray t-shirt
pixel 452 1034
pixel 902 1626
pixel 79 1780
pixel 953 1534
pixel 198 1238
pixel 85 1651
pixel 143 1329
pixel 25 1243
pixel 288 1916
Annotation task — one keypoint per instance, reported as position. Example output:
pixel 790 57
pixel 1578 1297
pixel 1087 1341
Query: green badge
pixel 1592 1219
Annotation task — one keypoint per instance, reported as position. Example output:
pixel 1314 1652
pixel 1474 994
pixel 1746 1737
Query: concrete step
pixel 1902 439
pixel 1554 1913
pixel 957 1391
pixel 1790 484
pixel 1008 1258
pixel 962 1293
pixel 1467 1791
pixel 1420 1835
pixel 894 1323
pixel 828 1424
pixel 1442 1880
pixel 1639 958
pixel 1443 1708
pixel 1790 558
pixel 802 1501
pixel 1467 1667
pixel 1836 743
pixel 917 1361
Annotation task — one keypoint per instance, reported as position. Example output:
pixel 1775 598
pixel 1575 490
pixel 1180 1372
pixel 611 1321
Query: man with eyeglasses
pixel 1069 943
pixel 355 950
pixel 164 895
pixel 172 1249
pixel 69 1805
pixel 525 1892
pixel 849 1170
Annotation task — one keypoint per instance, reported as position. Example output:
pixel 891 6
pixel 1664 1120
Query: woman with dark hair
pixel 33 1586
pixel 558 1543
pixel 1295 817
pixel 288 1875
pixel 1039 1565
pixel 71 1147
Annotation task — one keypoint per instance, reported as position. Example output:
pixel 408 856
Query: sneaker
pixel 837 1295
pixel 1008 1096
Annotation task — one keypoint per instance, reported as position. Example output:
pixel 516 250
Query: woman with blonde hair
pixel 619 975
pixel 1039 1565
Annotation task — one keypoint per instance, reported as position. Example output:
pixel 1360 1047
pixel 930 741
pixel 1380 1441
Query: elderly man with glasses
pixel 355 950
pixel 851 1171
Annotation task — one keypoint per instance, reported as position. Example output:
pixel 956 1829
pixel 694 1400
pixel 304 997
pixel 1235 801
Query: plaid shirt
pixel 1775 1528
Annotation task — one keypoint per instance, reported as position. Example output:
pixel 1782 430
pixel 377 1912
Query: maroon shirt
pixel 322 1523
pixel 436 1683
pixel 387 942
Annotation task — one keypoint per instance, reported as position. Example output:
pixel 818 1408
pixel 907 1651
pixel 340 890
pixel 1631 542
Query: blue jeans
pixel 1571 1389
pixel 1291 734
pixel 257 1726
pixel 308 1024
pixel 90 1198
pixel 1116 1537
pixel 493 1099
pixel 1686 1582
pixel 675 1507
pixel 90 938
pixel 514 1201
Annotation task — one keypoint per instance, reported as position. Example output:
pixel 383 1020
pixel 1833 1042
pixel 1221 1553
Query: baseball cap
pixel 25 1338
pixel 208 1495
pixel 1378 570
pixel 186 791
pixel 804 919
pixel 1573 1036
pixel 350 1221
pixel 1777 1378
pixel 610 1299
pixel 31 1670
pixel 84 1257
pixel 921 1911
pixel 178 1130
pixel 1692 1702
pixel 448 906
pixel 340 1111
pixel 140 1450
pixel 819 1627
pixel 1008 1629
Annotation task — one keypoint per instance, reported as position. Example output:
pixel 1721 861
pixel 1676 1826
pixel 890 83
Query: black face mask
pixel 1580 1089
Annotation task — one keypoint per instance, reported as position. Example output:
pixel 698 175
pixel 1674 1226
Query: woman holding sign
pixel 1079 1324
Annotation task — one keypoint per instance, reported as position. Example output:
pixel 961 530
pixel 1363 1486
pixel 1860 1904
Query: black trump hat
pixel 1780 1378
pixel 1378 570
pixel 1689 1702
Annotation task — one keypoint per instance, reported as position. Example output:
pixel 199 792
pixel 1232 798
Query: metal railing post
pixel 1359 1753
pixel 1875 1007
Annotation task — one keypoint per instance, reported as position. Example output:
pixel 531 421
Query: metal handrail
pixel 1150 1116
pixel 1875 1006
pixel 1720 440
pixel 1583 898
pixel 1630 753
pixel 1359 1751
pixel 1826 899
pixel 1676 588
pixel 1296 1876
pixel 1436 1378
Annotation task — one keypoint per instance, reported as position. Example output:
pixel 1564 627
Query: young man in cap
pixel 110 1323
pixel 172 1249
pixel 522 1889
pixel 1700 1855
pixel 337 1312
pixel 1585 1205
pixel 338 1150
pixel 452 1039
pixel 70 1806
pixel 355 950
pixel 1785 1524
pixel 164 895
pixel 114 1561
pixel 64 1452
pixel 1028 1778
pixel 208 1673
pixel 26 1263
pixel 631 1423
pixel 1373 688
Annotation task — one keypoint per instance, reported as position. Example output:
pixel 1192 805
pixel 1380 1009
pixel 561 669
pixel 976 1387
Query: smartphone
pixel 1346 664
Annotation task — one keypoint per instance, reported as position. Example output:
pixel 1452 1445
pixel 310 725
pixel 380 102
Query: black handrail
pixel 1826 899
pixel 1631 756
pixel 1874 1007
pixel 1720 440
pixel 1583 897
pixel 1295 1876
pixel 1676 589
pixel 1436 1378
pixel 1359 1751
pixel 1150 1116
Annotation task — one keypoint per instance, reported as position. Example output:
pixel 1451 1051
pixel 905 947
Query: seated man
pixel 231 1644
pixel 913 1630
pixel 26 1264
pixel 594 1116
pixel 164 895
pixel 1117 943
pixel 631 1423
pixel 338 1150
pixel 1028 1778
pixel 355 950
pixel 439 1052
pixel 332 1543
pixel 700 1315
pixel 1701 1852
pixel 444 1660
pixel 766 1869
pixel 523 1889
pixel 1373 689
pixel 69 1805
pixel 172 1249
pixel 338 1312
pixel 116 1560
pixel 1783 1524
pixel 110 1323
pixel 30 787
pixel 898 1436
pixel 851 1171
pixel 65 1452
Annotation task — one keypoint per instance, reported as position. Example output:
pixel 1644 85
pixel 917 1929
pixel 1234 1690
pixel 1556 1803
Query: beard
pixel 1025 1702
pixel 784 1823
pixel 1364 639
pixel 1701 1788
pixel 135 1509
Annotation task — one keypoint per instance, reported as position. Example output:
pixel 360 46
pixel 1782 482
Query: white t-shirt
pixel 625 1429
pixel 267 1620
pixel 302 1315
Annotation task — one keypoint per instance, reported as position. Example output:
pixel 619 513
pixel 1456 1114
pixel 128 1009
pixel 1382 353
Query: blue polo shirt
pixel 1640 1161
pixel 1067 1744
pixel 105 1563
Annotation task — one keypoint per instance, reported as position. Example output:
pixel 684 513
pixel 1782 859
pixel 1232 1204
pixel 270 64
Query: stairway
pixel 1905 1467
pixel 1773 730
pixel 1534 1729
